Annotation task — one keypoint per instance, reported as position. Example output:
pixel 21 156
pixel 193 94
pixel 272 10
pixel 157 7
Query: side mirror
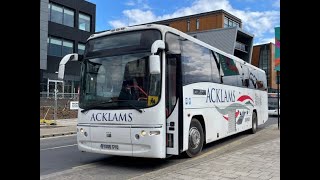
pixel 154 64
pixel 64 60
pixel 158 44
pixel 154 60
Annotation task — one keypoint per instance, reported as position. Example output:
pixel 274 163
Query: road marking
pixel 58 147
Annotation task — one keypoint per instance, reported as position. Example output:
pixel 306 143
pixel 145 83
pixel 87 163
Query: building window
pixel 264 61
pixel 68 17
pixel 81 48
pixel 61 15
pixel 188 25
pixel 59 47
pixel 54 47
pixel 56 14
pixel 84 22
pixel 67 47
pixel 230 23
pixel 198 24
pixel 226 22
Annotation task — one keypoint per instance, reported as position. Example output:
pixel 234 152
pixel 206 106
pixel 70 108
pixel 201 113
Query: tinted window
pixel 84 22
pixel 245 77
pixel 68 17
pixel 67 47
pixel 196 66
pixel 215 67
pixel 171 83
pixel 173 43
pixel 253 78
pixel 262 82
pixel 257 80
pixel 172 57
pixel 122 43
pixel 229 70
pixel 61 15
pixel 225 22
pixel 59 47
pixel 56 14
pixel 81 48
pixel 239 77
pixel 54 47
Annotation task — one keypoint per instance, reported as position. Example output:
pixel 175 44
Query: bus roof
pixel 165 29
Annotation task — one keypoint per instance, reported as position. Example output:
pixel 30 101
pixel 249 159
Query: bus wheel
pixel 196 138
pixel 254 123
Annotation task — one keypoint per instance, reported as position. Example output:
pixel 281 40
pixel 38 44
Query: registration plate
pixel 109 146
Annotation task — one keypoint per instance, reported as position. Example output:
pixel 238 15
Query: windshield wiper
pixel 93 107
pixel 135 107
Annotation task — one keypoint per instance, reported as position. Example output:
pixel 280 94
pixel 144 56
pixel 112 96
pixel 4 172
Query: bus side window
pixel 173 56
pixel 253 79
pixel 229 71
pixel 196 64
pixel 245 76
pixel 262 83
pixel 215 68
pixel 239 77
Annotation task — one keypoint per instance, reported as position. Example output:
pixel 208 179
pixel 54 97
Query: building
pixel 64 28
pixel 263 56
pixel 232 40
pixel 217 28
pixel 203 21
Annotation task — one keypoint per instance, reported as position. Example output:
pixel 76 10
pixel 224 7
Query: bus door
pixel 173 105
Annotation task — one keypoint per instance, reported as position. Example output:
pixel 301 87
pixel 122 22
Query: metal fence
pixel 50 95
pixel 57 105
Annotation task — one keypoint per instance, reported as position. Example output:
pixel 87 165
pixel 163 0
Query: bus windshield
pixel 122 43
pixel 118 80
pixel 114 78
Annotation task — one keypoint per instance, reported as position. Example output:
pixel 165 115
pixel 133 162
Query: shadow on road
pixel 147 164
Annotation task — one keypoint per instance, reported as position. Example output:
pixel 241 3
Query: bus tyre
pixel 196 138
pixel 254 123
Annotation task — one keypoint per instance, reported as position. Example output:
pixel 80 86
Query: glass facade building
pixel 64 28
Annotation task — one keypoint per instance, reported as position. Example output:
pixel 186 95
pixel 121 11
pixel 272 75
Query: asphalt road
pixel 61 153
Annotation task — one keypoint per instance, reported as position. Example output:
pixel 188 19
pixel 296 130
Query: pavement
pixel 253 157
pixel 62 127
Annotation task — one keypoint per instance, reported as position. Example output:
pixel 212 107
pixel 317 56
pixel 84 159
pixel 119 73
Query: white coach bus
pixel 153 91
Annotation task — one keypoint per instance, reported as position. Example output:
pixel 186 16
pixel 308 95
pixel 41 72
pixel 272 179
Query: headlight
pixel 143 133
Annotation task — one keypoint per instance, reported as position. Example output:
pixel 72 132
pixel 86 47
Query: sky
pixel 259 17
